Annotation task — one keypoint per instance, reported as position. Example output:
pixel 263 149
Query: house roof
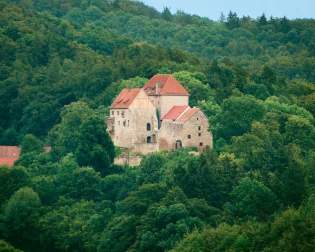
pixel 188 114
pixel 174 112
pixel 164 84
pixel 125 98
pixel 8 155
pixel 180 113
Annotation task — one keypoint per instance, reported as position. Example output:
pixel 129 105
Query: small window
pixel 189 136
pixel 117 112
pixel 124 123
pixel 128 123
pixel 148 126
pixel 113 112
pixel 201 144
pixel 199 134
pixel 123 114
pixel 197 118
pixel 149 140
pixel 199 128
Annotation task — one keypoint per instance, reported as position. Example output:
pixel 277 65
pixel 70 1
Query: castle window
pixel 148 126
pixel 117 112
pixel 149 140
pixel 178 144
pixel 189 136
pixel 124 123
pixel 113 112
pixel 200 144
pixel 199 128
pixel 199 134
pixel 123 114
pixel 197 118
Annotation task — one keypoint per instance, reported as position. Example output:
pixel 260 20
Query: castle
pixel 157 117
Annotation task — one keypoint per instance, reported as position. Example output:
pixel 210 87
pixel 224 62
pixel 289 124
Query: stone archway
pixel 178 144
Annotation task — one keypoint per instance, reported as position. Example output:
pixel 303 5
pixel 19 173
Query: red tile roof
pixel 188 114
pixel 125 98
pixel 8 155
pixel 180 113
pixel 174 112
pixel 164 84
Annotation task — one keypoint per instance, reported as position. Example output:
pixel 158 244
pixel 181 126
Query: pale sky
pixel 254 8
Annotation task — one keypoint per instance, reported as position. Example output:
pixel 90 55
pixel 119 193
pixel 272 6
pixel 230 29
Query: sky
pixel 254 8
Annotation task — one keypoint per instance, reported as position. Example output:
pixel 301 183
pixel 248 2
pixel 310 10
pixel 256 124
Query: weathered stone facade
pixel 157 117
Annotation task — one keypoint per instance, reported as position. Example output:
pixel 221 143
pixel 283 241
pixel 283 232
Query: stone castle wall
pixel 198 129
pixel 137 127
pixel 193 133
pixel 165 103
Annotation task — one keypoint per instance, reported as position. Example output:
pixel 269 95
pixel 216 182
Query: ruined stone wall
pixel 137 129
pixel 196 133
pixel 122 127
pixel 165 103
pixel 145 148
pixel 131 128
pixel 144 113
pixel 193 133
pixel 170 132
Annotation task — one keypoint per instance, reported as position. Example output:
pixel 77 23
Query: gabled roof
pixel 188 114
pixel 125 98
pixel 164 84
pixel 180 113
pixel 8 155
pixel 174 112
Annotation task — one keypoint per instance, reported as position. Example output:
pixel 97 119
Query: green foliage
pixel 61 65
pixel 21 215
pixel 119 235
pixel 224 238
pixel 151 168
pixel 95 147
pixel 6 247
pixel 73 226
pixel 65 135
pixel 11 180
pixel 83 133
pixel 252 198
pixel 198 90
pixel 237 115
pixel 30 143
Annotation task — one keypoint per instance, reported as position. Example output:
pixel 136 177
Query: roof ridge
pixel 125 98
pixel 169 86
pixel 188 108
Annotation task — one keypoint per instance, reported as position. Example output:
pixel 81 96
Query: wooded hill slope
pixel 61 65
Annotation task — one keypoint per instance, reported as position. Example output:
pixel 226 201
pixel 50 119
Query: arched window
pixel 178 144
pixel 149 140
pixel 148 126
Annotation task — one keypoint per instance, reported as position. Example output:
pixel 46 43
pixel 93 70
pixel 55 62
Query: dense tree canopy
pixel 61 65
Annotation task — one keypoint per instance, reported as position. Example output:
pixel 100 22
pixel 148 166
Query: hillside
pixel 61 65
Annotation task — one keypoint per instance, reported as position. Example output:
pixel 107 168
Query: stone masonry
pixel 157 117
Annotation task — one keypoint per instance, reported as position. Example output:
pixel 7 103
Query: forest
pixel 61 65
